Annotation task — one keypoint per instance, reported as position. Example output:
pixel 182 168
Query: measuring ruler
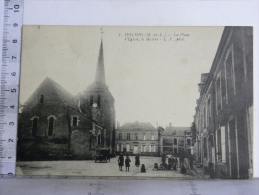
pixel 10 73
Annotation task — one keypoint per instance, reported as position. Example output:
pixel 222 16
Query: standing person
pixel 181 160
pixel 191 161
pixel 170 161
pixel 137 162
pixel 173 161
pixel 163 159
pixel 120 161
pixel 127 163
pixel 176 162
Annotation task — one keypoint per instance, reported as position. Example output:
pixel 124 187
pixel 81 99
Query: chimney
pixel 170 124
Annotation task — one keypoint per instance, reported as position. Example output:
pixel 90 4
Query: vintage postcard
pixel 145 102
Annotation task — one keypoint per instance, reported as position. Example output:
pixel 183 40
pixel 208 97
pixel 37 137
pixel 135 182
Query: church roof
pixel 137 126
pixel 67 97
pixel 177 131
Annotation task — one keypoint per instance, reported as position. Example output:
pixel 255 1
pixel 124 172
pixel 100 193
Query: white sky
pixel 151 81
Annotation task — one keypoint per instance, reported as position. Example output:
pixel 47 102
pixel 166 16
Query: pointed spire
pixel 100 72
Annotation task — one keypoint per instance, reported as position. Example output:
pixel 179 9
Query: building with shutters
pixel 223 121
pixel 54 124
pixel 176 141
pixel 137 138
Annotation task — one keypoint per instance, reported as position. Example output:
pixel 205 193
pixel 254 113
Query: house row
pixel 223 121
pixel 144 139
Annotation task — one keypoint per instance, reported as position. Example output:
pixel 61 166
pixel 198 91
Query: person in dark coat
pixel 127 163
pixel 163 159
pixel 173 162
pixel 181 161
pixel 174 167
pixel 170 161
pixel 137 162
pixel 120 161
pixel 143 169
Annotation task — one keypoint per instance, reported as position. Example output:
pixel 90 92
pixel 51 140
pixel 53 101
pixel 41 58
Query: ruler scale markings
pixel 11 44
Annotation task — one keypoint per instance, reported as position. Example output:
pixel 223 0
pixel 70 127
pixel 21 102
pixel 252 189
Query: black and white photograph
pixel 137 102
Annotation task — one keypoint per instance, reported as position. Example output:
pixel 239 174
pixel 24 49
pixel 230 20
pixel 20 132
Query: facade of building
pixel 54 124
pixel 223 121
pixel 176 141
pixel 137 138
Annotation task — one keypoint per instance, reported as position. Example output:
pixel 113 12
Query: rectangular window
pixel 120 136
pixel 218 145
pixel 136 136
pixel 230 75
pixel 128 148
pixel 143 148
pixel 188 142
pixel 205 147
pixel 128 136
pixel 74 121
pixel 223 145
pixel 152 137
pixel 218 94
pixel 152 148
pixel 204 117
pixel 209 111
pixel 144 137
pixel 175 142
pixel 175 150
pixel 119 148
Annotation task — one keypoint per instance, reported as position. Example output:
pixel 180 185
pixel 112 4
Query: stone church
pixel 55 125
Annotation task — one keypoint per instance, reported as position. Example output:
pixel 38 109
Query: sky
pixel 152 72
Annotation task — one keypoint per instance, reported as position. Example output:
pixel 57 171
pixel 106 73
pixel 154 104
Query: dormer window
pixel 41 98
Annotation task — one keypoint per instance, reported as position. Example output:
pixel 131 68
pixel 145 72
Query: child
pixel 127 163
pixel 183 170
pixel 155 167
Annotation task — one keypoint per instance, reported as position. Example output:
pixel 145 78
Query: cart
pixel 102 155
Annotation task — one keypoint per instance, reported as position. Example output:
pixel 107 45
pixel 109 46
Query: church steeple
pixel 100 72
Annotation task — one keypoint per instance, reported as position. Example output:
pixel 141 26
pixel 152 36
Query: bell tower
pixel 99 101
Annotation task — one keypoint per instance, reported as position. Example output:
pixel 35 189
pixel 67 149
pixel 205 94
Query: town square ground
pixel 90 168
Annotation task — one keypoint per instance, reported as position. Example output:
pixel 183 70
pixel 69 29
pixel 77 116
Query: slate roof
pixel 67 97
pixel 177 131
pixel 137 126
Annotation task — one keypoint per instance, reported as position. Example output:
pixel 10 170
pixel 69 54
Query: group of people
pixel 127 163
pixel 172 163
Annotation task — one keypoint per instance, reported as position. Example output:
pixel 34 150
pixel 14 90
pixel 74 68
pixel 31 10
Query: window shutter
pixel 223 143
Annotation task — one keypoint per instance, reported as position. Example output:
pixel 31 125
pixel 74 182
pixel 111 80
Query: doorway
pixel 135 151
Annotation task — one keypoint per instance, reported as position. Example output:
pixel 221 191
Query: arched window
pixel 99 139
pixel 91 100
pixel 41 98
pixel 34 126
pixel 51 126
pixel 99 101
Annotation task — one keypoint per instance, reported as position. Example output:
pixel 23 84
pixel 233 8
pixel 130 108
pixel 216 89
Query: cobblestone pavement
pixel 90 168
